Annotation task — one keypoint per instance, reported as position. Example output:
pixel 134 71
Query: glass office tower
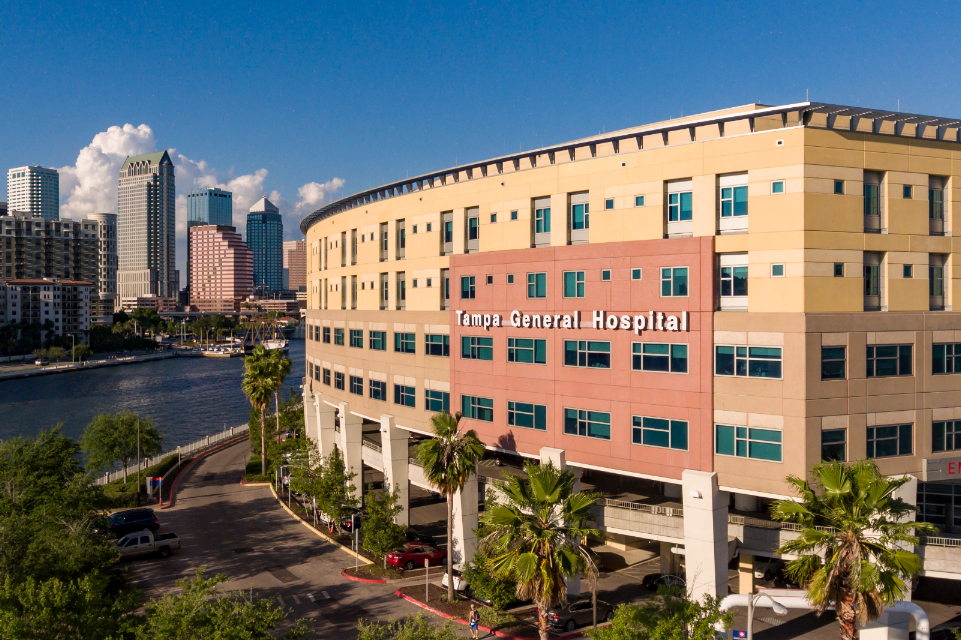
pixel 205 207
pixel 265 237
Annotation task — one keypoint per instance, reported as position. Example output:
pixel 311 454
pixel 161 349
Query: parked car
pixel 124 522
pixel 147 542
pixel 653 580
pixel 40 362
pixel 412 555
pixel 578 613
pixel 346 522
pixel 460 584
pixel 767 568
pixel 413 536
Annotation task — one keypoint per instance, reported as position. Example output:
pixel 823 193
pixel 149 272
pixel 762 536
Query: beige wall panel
pixel 782 295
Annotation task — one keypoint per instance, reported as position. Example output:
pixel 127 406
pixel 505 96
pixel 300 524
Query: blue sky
pixel 369 92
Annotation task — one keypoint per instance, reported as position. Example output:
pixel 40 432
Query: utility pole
pixel 138 462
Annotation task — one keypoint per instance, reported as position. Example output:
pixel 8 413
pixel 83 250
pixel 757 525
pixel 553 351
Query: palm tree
pixel 850 552
pixel 281 367
pixel 259 384
pixel 449 459
pixel 534 535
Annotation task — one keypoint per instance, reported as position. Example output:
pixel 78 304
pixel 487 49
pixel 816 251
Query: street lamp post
pixel 779 609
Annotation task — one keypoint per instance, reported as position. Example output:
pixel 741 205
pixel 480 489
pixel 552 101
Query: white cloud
pixel 91 184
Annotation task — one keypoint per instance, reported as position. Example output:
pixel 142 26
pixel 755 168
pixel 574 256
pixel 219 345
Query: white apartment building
pixel 34 190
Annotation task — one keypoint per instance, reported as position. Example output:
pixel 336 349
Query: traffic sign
pixel 738 635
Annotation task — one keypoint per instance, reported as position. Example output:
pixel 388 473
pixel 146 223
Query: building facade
pixel 295 265
pixel 265 237
pixel 103 295
pixel 32 247
pixel 146 202
pixel 64 303
pixel 205 207
pixel 222 268
pixel 35 191
pixel 696 308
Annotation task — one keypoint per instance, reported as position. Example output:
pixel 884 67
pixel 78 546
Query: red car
pixel 412 555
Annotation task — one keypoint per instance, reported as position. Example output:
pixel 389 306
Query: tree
pixel 40 354
pixel 416 627
pixel 112 438
pixel 450 459
pixel 668 616
pixel 258 384
pixel 335 490
pixel 82 352
pixel 56 353
pixel 201 610
pixel 381 533
pixel 535 531
pixel 485 584
pixel 281 369
pixel 851 517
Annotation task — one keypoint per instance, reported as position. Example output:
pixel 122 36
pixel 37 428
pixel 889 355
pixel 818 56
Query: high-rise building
pixel 222 268
pixel 265 237
pixel 295 265
pixel 3 208
pixel 103 295
pixel 36 248
pixel 34 190
pixel 65 303
pixel 146 232
pixel 205 207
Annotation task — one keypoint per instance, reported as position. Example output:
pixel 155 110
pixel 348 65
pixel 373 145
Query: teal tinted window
pixel 477 348
pixel 477 408
pixel 659 432
pixel 357 338
pixel 378 340
pixel 638 201
pixel 526 415
pixel 573 284
pixel 591 424
pixel 437 344
pixel 436 400
pixel 889 441
pixel 673 281
pixel 405 342
pixel 679 206
pixel 404 395
pixel 527 350
pixel 733 201
pixel 747 442
pixel 378 390
pixel 659 356
pixel 536 285
pixel 587 353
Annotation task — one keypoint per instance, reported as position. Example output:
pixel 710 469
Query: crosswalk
pixel 320 596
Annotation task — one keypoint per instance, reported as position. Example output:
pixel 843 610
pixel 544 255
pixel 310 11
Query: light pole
pixel 779 609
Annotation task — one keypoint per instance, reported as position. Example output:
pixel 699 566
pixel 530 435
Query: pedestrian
pixel 473 620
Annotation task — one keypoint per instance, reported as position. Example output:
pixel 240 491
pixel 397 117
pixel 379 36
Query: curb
pixel 344 573
pixel 172 497
pixel 499 634
pixel 319 534
pixel 254 484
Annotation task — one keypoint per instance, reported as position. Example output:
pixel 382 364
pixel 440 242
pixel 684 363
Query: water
pixel 186 398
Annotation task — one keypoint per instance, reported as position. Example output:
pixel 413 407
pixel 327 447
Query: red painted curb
pixel 172 497
pixel 344 573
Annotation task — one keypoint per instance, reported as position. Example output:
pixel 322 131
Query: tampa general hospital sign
pixel 652 321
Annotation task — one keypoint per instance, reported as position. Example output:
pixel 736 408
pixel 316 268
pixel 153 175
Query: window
pixel 609 203
pixel 339 380
pixel 733 201
pixel 605 275
pixel 750 362
pixel 890 441
pixel 592 424
pixel 467 287
pixel 510 278
pixel 326 335
pixel 573 284
pixel 404 342
pixel 777 270
pixel 528 416
pixel 946 436
pixel 477 348
pixel 477 408
pixel 339 337
pixel 586 353
pixel 490 278
pixel 378 390
pixel 357 338
pixel 673 281
pixel 659 432
pixel 437 344
pixel 404 395
pixel 907 191
pixel 834 445
pixel 733 281
pixel 537 285
pixel 888 360
pixel 946 358
pixel 357 385
pixel 839 187
pixel 378 340
pixel 833 361
pixel 636 274
pixel 580 216
pixel 679 206
pixel 777 186
pixel 527 350
pixel 428 282
pixel 429 226
pixel 908 270
pixel 513 215
pixel 838 269
pixel 638 201
pixel 748 442
pixel 436 400
pixel 326 380
pixel 659 356
pixel 493 217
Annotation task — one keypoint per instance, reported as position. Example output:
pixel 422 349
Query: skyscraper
pixel 222 268
pixel 265 237
pixel 147 209
pixel 103 295
pixel 34 190
pixel 295 265
pixel 209 206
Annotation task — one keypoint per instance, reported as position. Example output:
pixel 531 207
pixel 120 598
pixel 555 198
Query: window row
pixel 593 354
pixel 674 283
pixel 435 344
pixel 892 440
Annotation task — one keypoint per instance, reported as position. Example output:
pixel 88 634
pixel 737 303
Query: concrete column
pixel 705 534
pixel 559 458
pixel 744 502
pixel 310 415
pixel 668 559
pixel 745 573
pixel 394 446
pixel 351 437
pixel 326 422
pixel 465 523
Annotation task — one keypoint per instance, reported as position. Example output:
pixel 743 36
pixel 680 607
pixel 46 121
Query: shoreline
pixel 99 364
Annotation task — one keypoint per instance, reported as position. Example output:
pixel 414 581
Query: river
pixel 187 398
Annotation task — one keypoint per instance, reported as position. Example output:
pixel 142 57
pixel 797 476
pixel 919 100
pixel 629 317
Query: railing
pixel 760 523
pixel 183 450
pixel 674 512
pixel 413 461
pixel 371 445
pixel 940 542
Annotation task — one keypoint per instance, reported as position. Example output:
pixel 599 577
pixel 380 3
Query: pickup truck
pixel 143 542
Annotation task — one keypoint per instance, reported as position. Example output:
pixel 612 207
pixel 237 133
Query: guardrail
pixel 183 451
pixel 371 445
pixel 674 512
pixel 940 542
